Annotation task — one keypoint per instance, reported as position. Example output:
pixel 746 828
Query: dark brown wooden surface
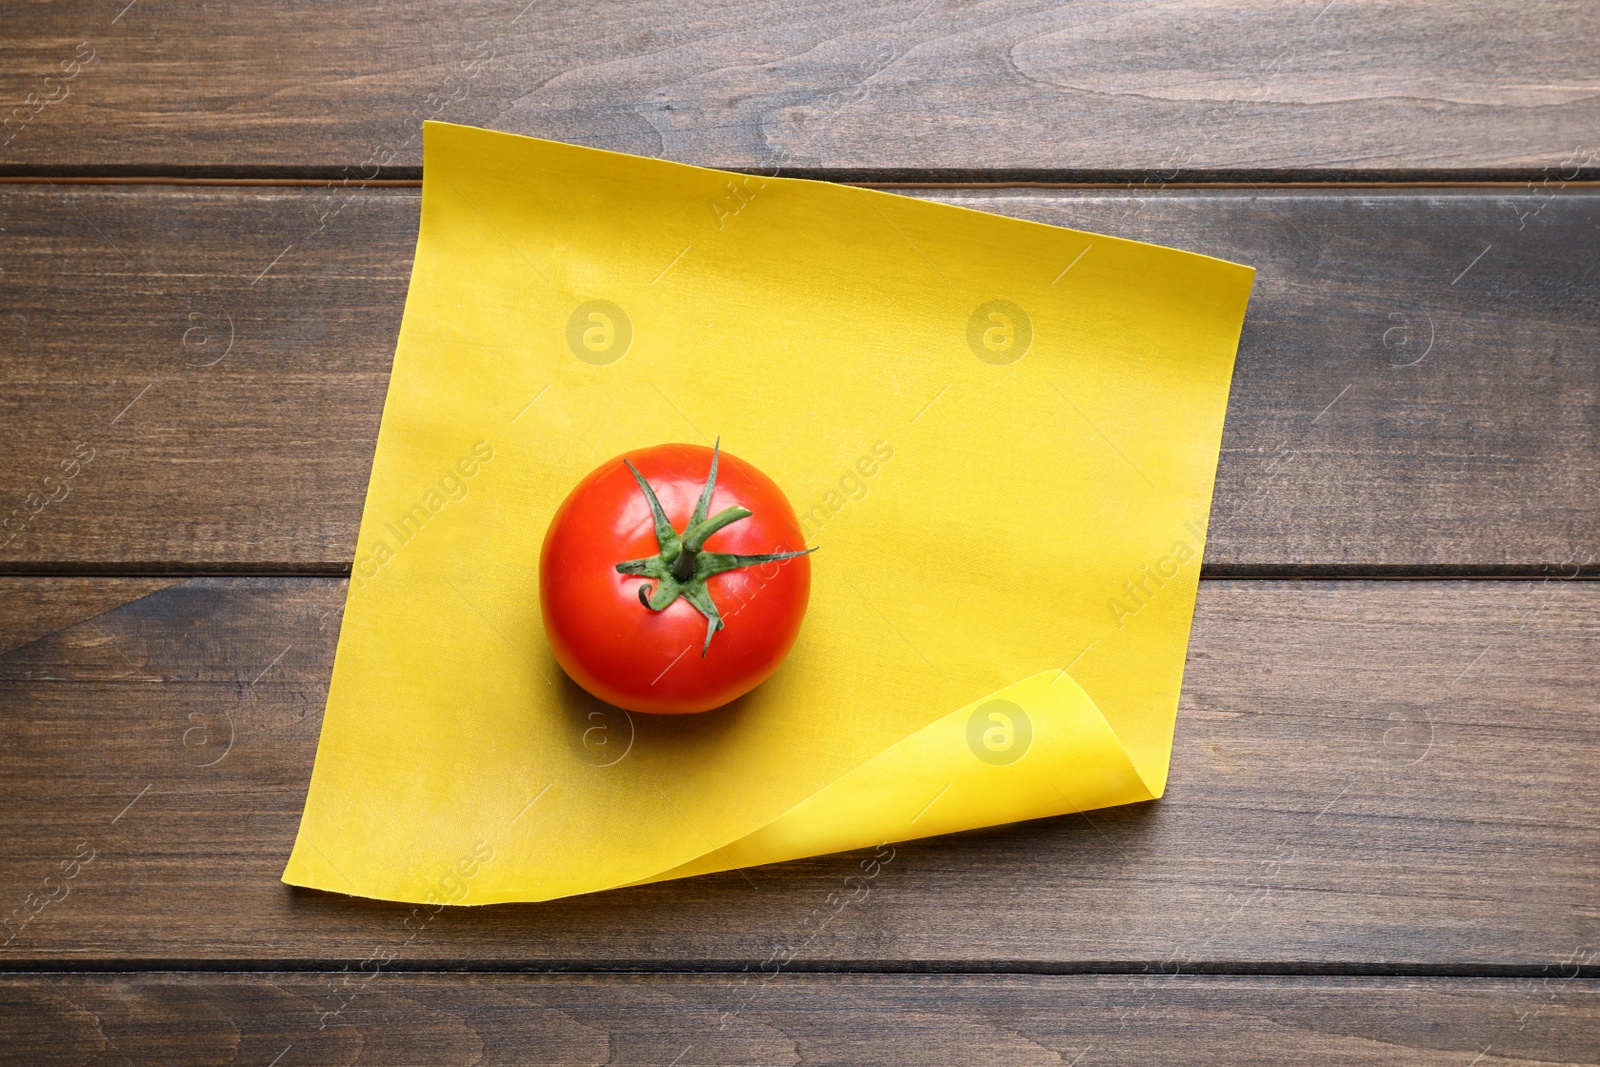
pixel 384 1018
pixel 922 87
pixel 1366 774
pixel 1416 389
pixel 1379 840
pixel 35 607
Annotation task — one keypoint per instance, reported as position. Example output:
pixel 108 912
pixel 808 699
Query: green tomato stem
pixel 681 566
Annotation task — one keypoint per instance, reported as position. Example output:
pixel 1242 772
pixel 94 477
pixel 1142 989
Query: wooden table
pixel 1379 844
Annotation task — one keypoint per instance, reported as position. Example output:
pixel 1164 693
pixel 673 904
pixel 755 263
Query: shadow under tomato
pixel 604 735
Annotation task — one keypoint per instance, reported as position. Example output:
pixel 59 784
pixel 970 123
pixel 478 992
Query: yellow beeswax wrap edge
pixel 928 784
pixel 1074 758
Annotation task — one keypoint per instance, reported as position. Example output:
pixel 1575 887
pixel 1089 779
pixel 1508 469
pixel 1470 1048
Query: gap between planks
pixel 953 184
pixel 875 968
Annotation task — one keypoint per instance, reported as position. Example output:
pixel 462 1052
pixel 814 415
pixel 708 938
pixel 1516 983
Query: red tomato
pixel 677 607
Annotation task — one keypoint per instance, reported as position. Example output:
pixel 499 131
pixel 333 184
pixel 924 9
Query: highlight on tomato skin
pixel 673 579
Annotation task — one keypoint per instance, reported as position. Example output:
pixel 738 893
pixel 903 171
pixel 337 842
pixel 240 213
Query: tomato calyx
pixel 682 566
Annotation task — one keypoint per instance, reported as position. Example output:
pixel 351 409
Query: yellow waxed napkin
pixel 1001 435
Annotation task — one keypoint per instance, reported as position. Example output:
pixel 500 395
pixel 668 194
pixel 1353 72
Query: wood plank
pixel 1415 389
pixel 39 606
pixel 1024 87
pixel 1386 773
pixel 380 1017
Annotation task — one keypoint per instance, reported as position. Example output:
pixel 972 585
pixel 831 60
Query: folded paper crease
pixel 929 784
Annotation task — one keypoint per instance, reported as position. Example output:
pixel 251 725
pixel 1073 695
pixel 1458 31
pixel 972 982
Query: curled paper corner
pixel 1037 748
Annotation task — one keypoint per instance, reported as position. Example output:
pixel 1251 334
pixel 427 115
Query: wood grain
pixel 39 606
pixel 1373 774
pixel 910 88
pixel 1016 1020
pixel 1370 777
pixel 1415 393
